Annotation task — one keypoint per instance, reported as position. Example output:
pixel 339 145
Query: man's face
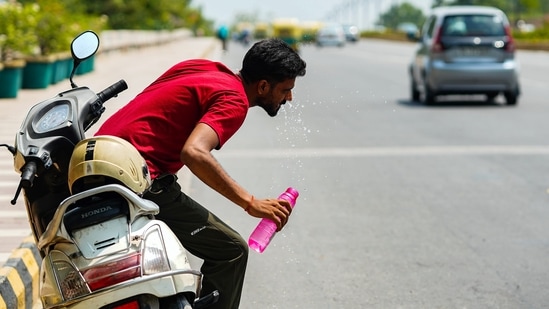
pixel 276 96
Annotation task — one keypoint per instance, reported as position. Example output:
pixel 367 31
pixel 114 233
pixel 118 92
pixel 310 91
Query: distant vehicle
pixel 351 33
pixel 309 30
pixel 288 30
pixel 261 30
pixel 408 28
pixel 330 35
pixel 465 50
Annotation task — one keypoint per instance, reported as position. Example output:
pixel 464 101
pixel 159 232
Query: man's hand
pixel 277 211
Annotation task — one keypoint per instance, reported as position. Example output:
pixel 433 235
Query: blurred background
pixel 48 21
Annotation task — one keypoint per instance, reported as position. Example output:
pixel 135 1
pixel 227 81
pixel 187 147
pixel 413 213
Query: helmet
pixel 105 159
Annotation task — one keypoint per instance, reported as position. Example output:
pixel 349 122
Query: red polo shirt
pixel 159 120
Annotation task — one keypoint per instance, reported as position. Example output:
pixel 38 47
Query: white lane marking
pixel 387 151
pixel 12 214
pixel 4 257
pixel 4 233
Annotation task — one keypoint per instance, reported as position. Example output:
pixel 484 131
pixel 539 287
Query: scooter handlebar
pixel 28 171
pixel 112 91
pixel 96 108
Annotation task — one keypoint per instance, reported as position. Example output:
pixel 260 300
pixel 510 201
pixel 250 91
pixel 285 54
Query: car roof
pixel 466 9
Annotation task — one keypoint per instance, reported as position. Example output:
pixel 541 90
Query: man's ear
pixel 263 87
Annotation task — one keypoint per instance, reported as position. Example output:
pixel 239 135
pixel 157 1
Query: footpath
pixel 136 57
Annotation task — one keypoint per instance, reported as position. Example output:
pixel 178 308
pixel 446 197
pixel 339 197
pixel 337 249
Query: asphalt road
pixel 402 205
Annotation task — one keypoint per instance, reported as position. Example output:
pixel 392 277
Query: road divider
pixel 19 277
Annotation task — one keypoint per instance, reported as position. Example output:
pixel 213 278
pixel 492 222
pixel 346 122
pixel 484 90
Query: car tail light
pixel 113 272
pixel 437 46
pixel 510 46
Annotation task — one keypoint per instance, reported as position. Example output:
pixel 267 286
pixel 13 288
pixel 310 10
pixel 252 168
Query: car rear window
pixel 473 25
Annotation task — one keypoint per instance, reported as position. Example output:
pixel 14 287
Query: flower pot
pixel 11 78
pixel 61 67
pixel 86 66
pixel 38 72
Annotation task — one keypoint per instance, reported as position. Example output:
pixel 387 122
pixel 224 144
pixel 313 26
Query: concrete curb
pixel 19 277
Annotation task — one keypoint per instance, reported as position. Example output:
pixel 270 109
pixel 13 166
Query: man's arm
pixel 196 155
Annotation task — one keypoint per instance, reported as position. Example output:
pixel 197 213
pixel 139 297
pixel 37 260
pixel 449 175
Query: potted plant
pixel 55 29
pixel 16 40
pixel 48 64
pixel 97 24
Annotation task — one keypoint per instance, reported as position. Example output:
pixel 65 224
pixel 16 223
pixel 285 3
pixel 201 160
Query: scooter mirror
pixel 83 47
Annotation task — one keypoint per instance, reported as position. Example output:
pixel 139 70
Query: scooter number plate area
pixel 104 238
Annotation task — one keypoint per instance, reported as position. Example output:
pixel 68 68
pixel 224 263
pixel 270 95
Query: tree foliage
pixel 137 14
pixel 51 24
pixel 508 6
pixel 16 25
pixel 144 14
pixel 402 13
pixel 530 10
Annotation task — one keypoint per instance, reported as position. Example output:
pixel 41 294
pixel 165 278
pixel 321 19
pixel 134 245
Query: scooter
pixel 101 247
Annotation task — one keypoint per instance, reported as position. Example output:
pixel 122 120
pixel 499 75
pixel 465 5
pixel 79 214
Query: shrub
pixel 17 25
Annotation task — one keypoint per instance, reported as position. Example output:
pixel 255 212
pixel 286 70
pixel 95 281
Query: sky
pixel 361 12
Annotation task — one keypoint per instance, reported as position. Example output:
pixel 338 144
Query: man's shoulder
pixel 204 65
pixel 196 70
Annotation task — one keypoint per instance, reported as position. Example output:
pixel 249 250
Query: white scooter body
pixel 101 248
pixel 125 255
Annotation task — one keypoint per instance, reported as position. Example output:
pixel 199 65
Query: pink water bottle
pixel 266 229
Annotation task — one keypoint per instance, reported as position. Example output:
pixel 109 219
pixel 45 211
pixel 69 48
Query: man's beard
pixel 269 108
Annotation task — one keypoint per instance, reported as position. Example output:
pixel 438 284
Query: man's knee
pixel 242 246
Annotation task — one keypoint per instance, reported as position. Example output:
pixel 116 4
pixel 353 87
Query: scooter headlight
pixel 155 259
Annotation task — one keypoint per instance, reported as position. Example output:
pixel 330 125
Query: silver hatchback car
pixel 465 50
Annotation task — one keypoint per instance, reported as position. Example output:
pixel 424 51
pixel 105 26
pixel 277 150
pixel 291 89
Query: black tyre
pixel 414 93
pixel 429 96
pixel 491 96
pixel 511 97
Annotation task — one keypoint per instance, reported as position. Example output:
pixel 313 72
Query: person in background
pixel 190 110
pixel 223 35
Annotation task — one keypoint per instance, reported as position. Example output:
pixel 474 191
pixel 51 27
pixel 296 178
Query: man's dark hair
pixel 272 60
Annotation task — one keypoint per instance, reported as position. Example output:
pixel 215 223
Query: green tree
pixel 17 23
pixel 437 3
pixel 143 14
pixel 515 9
pixel 54 25
pixel 501 4
pixel 404 12
pixel 135 14
pixel 510 7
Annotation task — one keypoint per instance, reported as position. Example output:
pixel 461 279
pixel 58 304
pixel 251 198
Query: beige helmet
pixel 105 159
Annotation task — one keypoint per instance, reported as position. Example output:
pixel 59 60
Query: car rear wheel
pixel 511 96
pixel 415 94
pixel 429 96
pixel 491 96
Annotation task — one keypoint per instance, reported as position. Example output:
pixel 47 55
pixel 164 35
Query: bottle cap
pixel 292 191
